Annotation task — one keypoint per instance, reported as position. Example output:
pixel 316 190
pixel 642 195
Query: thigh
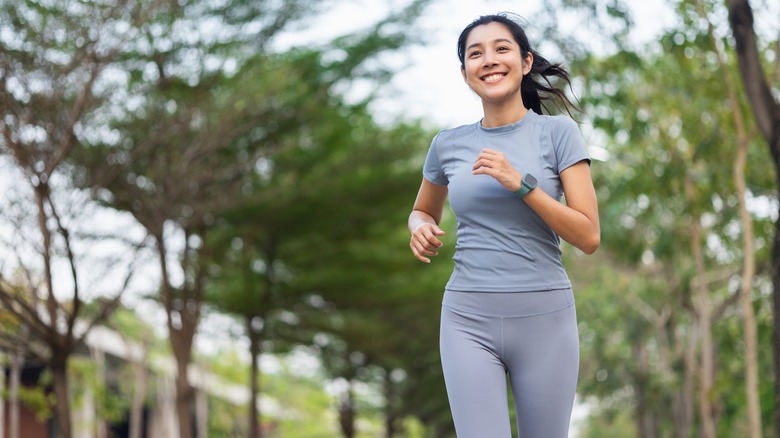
pixel 474 375
pixel 543 369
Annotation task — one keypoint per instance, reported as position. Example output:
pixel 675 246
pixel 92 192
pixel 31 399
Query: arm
pixel 576 222
pixel 424 220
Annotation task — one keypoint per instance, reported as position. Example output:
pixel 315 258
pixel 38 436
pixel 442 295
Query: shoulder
pixel 560 128
pixel 458 130
pixel 560 122
pixel 449 134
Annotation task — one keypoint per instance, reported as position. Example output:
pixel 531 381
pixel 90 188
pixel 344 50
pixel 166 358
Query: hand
pixel 495 164
pixel 424 241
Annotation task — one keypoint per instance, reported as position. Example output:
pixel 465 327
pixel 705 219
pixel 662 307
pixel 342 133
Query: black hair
pixel 534 92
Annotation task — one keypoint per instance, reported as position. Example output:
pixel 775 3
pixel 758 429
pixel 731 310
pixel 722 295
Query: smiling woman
pixel 497 56
pixel 425 87
pixel 508 308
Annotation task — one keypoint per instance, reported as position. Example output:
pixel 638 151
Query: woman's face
pixel 493 65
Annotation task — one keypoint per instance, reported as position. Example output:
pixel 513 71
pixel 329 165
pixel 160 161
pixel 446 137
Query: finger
pixel 428 235
pixel 425 245
pixel 484 170
pixel 422 259
pixel 482 163
pixel 433 241
pixel 422 245
pixel 424 242
pixel 419 256
pixel 423 250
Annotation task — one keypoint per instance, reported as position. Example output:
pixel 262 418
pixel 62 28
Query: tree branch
pixel 765 109
pixel 71 319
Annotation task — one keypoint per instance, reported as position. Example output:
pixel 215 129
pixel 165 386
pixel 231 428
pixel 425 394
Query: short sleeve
pixel 432 170
pixel 569 145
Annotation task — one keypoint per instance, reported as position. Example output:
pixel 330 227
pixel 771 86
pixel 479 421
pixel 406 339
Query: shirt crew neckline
pixel 503 129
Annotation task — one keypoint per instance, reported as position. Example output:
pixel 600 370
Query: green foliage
pixel 317 249
pixel 666 122
pixel 616 422
pixel 85 378
pixel 293 201
pixel 38 400
pixel 308 408
pixel 224 421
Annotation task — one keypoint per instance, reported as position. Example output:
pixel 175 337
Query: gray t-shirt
pixel 503 245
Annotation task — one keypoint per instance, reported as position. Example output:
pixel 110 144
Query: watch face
pixel 529 180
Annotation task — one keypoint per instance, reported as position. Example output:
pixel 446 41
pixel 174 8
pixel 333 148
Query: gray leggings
pixel 530 337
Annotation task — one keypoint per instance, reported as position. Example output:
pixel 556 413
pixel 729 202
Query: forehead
pixel 486 33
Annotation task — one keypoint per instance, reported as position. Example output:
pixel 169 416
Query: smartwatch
pixel 528 184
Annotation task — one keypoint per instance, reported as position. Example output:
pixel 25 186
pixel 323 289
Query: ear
pixel 528 62
pixel 463 73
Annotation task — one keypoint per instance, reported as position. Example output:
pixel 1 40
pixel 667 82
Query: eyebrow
pixel 498 40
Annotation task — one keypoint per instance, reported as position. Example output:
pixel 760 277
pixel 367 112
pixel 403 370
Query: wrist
pixel 415 226
pixel 527 184
pixel 518 184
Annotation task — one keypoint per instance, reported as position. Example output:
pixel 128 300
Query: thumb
pixel 438 231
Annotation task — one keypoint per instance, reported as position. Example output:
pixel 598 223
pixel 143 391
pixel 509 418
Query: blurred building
pixel 110 353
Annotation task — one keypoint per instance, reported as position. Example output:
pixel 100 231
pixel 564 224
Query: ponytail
pixel 535 93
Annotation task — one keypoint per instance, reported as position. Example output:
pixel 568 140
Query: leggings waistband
pixel 511 304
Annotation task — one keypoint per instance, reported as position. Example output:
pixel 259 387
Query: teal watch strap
pixel 528 183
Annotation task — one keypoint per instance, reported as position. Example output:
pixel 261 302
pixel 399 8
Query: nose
pixel 488 59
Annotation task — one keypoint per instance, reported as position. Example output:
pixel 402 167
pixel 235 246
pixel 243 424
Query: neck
pixel 505 113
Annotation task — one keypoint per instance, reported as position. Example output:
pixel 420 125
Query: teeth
pixel 493 78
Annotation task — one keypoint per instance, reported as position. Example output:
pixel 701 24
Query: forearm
pixel 570 224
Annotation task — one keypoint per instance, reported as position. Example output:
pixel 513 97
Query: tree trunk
pixel 748 261
pixel 684 400
pixel 255 430
pixel 347 412
pixel 766 111
pixel 58 362
pixel 15 383
pixel 391 417
pixel 746 289
pixel 645 418
pixel 703 313
pixel 748 266
pixel 184 402
pixel 182 322
pixel 59 371
pixel 181 343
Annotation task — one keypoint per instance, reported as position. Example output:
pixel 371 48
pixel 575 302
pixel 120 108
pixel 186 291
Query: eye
pixel 474 53
pixel 502 49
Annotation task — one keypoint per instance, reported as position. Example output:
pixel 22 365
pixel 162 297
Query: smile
pixel 493 77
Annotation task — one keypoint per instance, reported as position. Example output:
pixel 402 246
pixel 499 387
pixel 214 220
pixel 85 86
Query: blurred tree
pixel 766 112
pixel 303 229
pixel 379 325
pixel 177 165
pixel 128 325
pixel 671 215
pixel 197 130
pixel 54 75
pixel 748 236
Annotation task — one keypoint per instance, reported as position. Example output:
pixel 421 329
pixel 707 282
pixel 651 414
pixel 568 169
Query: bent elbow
pixel 592 244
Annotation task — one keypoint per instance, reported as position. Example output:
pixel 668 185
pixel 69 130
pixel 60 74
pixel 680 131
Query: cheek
pixel 471 73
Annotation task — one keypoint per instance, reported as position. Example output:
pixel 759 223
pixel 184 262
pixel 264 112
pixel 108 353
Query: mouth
pixel 492 77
